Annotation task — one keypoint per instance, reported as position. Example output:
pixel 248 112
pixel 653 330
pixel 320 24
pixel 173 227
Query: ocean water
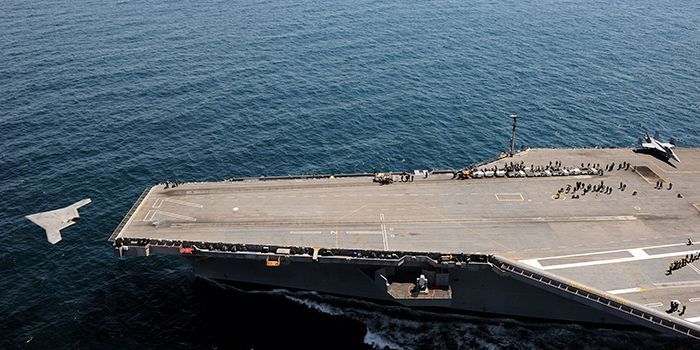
pixel 102 99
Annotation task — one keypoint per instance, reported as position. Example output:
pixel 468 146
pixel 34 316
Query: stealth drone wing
pixel 55 220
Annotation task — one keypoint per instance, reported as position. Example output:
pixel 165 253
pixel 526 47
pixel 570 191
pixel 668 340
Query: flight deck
pixel 618 238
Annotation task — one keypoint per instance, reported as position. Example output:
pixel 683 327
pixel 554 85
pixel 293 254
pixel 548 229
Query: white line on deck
pixel 693 319
pixel 682 284
pixel 637 254
pixel 654 304
pixel 619 260
pixel 509 197
pixel 694 300
pixel 177 216
pixel 363 232
pixel 157 203
pixel 181 202
pixel 625 291
pixel 151 213
pixel 384 237
pixel 305 232
pixel 533 263
pixel 612 251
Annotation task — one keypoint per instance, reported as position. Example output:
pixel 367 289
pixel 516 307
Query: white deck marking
pixel 157 203
pixel 611 251
pixel 693 319
pixel 151 213
pixel 637 254
pixel 654 304
pixel 509 197
pixel 694 300
pixel 625 291
pixel 384 237
pixel 177 216
pixel 305 232
pixel 363 232
pixel 616 261
pixel 181 202
pixel 533 263
pixel 682 284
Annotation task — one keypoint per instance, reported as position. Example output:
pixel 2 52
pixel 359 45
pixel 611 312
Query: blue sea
pixel 102 99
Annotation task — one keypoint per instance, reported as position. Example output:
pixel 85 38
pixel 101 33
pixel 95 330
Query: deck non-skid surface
pixel 619 242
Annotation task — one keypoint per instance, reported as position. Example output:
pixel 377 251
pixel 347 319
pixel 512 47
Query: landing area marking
pixel 636 255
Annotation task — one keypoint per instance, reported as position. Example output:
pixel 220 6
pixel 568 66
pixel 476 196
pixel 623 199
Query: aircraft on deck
pixel 664 149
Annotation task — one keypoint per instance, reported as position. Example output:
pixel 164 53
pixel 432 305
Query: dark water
pixel 101 99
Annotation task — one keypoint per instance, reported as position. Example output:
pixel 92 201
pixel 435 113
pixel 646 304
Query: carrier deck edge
pixel 512 246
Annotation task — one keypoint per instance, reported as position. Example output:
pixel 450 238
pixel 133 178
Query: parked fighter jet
pixel 661 148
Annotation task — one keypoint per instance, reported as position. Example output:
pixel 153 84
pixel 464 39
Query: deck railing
pixel 648 315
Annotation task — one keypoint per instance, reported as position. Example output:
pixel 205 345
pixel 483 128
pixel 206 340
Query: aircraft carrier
pixel 598 236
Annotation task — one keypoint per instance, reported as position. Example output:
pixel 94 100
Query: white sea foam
pixel 378 341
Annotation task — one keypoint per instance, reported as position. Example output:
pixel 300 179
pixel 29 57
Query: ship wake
pixel 395 327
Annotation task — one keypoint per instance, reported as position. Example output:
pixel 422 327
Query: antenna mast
pixel 512 137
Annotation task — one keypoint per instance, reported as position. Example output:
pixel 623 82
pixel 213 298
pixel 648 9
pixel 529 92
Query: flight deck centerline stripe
pixel 625 291
pixel 619 260
pixel 612 251
pixel 693 319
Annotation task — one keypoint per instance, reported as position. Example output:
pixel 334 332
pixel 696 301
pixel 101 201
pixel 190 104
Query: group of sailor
pixel 676 306
pixel 169 184
pixel 620 166
pixel 580 185
pixel 678 264
pixel 660 185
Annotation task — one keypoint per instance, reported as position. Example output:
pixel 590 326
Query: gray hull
pixel 478 288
